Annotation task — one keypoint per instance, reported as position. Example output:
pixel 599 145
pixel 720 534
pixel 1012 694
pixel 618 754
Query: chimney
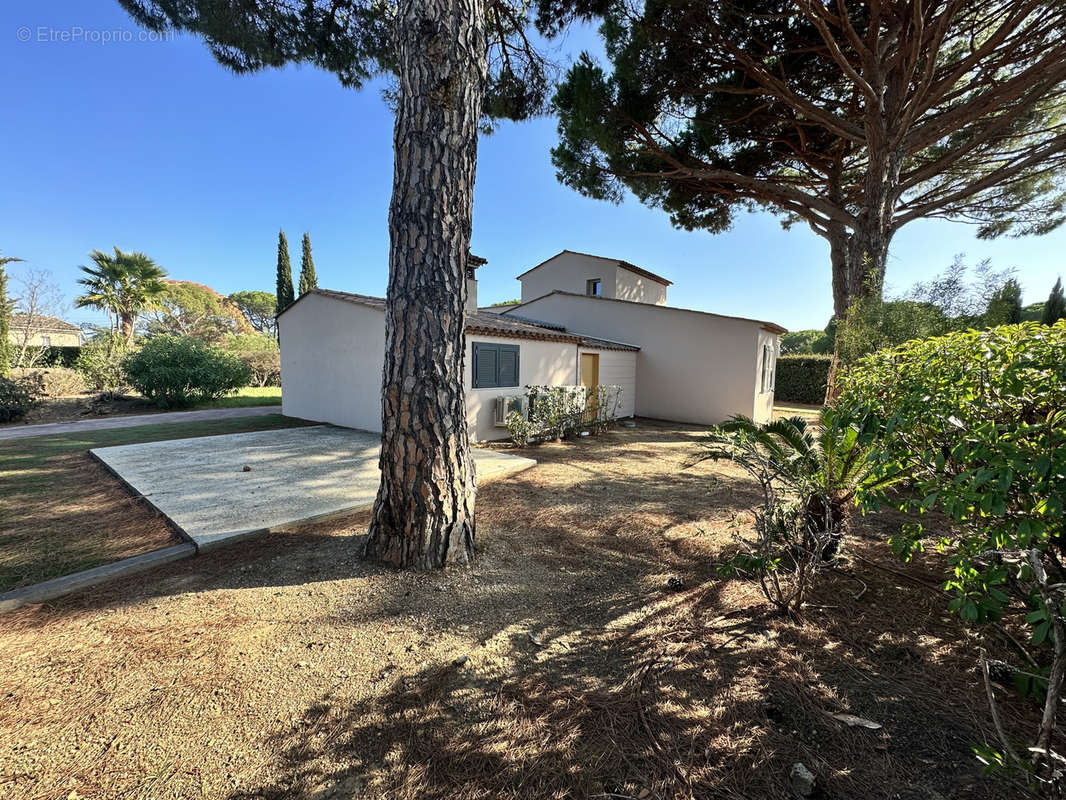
pixel 472 263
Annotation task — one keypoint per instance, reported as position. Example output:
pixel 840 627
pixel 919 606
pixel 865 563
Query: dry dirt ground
pixel 558 666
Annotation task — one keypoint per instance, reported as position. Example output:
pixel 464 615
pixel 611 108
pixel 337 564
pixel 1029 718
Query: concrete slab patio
pixel 295 476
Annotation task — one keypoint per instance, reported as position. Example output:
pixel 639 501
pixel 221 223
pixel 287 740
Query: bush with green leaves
pixel 16 399
pixel 101 367
pixel 802 379
pixel 978 420
pixel 557 411
pixel 177 371
pixel 810 477
pixel 260 354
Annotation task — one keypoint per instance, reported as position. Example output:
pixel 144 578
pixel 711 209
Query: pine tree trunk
pixel 424 513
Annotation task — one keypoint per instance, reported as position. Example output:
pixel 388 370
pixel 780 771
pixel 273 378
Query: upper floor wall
pixel 581 273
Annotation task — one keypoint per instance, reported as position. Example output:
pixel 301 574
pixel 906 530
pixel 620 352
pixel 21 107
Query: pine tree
pixel 1055 307
pixel 5 317
pixel 284 291
pixel 1005 305
pixel 308 279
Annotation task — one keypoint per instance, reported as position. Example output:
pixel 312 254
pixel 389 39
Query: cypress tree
pixel 308 279
pixel 5 317
pixel 284 291
pixel 1005 306
pixel 1055 307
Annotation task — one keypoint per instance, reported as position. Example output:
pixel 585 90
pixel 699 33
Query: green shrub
pixel 978 420
pixel 53 381
pixel 260 354
pixel 54 356
pixel 178 371
pixel 16 399
pixel 810 477
pixel 801 379
pixel 101 367
pixel 556 411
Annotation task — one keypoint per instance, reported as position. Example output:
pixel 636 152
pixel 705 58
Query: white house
pixel 583 319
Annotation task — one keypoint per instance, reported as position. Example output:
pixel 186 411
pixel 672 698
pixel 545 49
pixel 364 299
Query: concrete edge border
pixel 57 587
pixel 86 579
pixel 142 498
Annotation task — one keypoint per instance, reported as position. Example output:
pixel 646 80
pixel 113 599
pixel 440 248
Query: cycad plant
pixel 809 476
pixel 123 285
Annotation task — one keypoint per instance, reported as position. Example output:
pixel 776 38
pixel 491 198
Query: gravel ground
pixel 557 666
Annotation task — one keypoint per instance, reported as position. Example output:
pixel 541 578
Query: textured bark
pixel 424 513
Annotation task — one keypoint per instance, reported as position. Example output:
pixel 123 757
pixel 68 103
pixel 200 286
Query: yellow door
pixel 590 370
pixel 590 379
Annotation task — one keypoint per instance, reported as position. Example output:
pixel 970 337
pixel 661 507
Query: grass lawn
pixel 248 396
pixel 287 667
pixel 61 511
pixel 810 413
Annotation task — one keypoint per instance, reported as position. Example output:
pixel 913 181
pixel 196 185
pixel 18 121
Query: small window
pixel 495 365
pixel 592 287
pixel 46 341
pixel 767 379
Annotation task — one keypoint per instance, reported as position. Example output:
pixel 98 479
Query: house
pixel 40 331
pixel 672 363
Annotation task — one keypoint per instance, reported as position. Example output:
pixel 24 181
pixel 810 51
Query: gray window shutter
pixel 486 365
pixel 508 374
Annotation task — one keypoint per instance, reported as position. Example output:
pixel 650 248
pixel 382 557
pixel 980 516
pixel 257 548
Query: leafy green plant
pixel 100 364
pixel 175 371
pixel 810 477
pixel 557 411
pixel 16 399
pixel 978 420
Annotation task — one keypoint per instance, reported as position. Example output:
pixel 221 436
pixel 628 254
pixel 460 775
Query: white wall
pixel 568 272
pixel 539 363
pixel 764 401
pixel 333 356
pixel 332 360
pixel 618 367
pixel 691 367
pixel 638 289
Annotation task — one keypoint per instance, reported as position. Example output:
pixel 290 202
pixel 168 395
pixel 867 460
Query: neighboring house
pixel 673 364
pixel 40 331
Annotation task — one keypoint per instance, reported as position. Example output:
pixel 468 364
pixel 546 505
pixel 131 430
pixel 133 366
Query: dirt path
pixel 132 420
pixel 559 665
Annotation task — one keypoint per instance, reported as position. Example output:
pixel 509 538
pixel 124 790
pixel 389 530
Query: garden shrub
pixel 810 476
pixel 54 356
pixel 263 365
pixel 801 379
pixel 101 368
pixel 978 420
pixel 16 399
pixel 260 354
pixel 556 411
pixel 53 381
pixel 178 371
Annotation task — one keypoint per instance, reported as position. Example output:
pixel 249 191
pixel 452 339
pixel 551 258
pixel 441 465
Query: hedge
pixel 801 379
pixel 56 356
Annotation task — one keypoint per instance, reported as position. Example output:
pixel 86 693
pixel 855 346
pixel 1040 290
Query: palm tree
pixel 820 467
pixel 123 285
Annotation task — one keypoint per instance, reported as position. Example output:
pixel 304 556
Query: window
pixel 495 365
pixel 592 287
pixel 46 341
pixel 766 383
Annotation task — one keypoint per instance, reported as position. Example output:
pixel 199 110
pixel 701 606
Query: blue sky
pixel 152 146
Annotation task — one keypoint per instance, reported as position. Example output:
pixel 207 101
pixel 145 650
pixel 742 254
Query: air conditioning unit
pixel 505 405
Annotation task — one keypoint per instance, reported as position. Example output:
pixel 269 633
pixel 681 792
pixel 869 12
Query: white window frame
pixel 768 373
